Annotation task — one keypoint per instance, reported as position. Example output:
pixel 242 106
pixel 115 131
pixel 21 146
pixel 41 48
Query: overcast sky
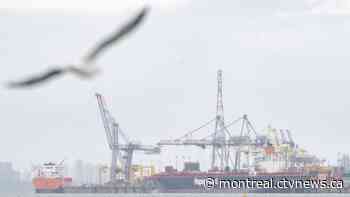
pixel 88 7
pixel 283 64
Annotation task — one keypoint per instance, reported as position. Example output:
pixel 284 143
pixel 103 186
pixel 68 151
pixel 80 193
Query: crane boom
pixel 105 118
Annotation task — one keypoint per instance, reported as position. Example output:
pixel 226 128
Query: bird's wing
pixel 117 35
pixel 37 79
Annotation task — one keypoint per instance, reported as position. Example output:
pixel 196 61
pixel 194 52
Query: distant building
pixel 10 179
pixel 78 175
pixel 86 173
pixel 7 174
pixel 91 173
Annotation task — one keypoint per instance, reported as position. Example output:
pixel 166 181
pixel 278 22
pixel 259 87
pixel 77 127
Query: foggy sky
pixel 289 70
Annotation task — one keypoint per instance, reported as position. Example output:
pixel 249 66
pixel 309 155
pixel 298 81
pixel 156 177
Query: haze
pixel 282 65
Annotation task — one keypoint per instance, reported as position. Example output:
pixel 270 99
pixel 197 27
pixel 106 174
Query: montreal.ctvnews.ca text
pixel 216 183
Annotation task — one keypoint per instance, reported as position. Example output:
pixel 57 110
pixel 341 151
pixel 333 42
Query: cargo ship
pixel 197 182
pixel 49 178
pixel 271 158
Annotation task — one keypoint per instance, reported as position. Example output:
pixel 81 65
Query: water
pixel 172 195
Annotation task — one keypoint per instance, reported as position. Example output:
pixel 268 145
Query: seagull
pixel 87 69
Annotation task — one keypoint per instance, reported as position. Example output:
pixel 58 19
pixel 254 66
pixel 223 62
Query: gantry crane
pixel 240 143
pixel 221 140
pixel 122 148
pixel 228 147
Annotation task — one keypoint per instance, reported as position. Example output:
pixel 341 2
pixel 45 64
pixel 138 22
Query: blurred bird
pixel 87 68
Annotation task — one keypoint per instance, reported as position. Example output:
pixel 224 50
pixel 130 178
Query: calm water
pixel 171 195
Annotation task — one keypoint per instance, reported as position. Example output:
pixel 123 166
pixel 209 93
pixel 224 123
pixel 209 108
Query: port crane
pixel 222 141
pixel 229 148
pixel 239 143
pixel 121 146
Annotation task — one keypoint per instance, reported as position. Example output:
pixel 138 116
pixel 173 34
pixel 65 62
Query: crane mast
pixel 219 150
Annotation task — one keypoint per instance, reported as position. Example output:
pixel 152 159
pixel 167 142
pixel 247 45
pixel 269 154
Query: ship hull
pixel 58 190
pixel 195 183
pixel 49 185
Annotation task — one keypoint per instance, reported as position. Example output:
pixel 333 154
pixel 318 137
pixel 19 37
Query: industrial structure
pixel 237 151
pixel 244 147
pixel 226 148
pixel 242 153
pixel 122 148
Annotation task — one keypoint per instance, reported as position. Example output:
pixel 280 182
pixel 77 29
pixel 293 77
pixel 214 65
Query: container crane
pixel 122 152
pixel 239 143
pixel 221 140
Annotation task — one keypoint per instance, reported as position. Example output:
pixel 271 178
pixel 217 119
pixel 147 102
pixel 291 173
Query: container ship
pixel 271 157
pixel 49 179
pixel 194 181
pixel 266 159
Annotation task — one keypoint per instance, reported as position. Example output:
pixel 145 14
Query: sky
pixel 89 7
pixel 109 6
pixel 284 64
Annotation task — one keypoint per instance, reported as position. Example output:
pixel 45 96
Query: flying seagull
pixel 87 69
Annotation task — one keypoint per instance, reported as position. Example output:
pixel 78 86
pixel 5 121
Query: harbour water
pixel 172 195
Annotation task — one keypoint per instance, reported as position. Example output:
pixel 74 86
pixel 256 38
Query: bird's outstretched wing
pixel 117 35
pixel 37 79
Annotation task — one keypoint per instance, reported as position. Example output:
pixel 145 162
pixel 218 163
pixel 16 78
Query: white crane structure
pixel 122 148
pixel 242 148
pixel 226 147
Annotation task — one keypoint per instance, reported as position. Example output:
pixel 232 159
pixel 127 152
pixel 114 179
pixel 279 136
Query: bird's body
pixel 87 69
pixel 83 72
